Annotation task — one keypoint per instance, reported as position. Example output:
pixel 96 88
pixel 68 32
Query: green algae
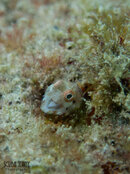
pixel 81 41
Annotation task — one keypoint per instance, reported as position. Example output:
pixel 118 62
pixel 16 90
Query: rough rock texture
pixel 86 42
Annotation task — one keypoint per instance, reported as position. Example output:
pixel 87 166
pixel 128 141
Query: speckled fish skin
pixel 60 98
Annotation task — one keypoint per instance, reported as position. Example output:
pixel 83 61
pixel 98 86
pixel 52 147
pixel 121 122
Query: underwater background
pixel 82 43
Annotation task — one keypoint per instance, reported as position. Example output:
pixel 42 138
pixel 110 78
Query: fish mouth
pixel 53 105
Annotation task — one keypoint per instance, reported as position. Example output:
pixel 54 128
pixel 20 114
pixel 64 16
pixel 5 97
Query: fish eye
pixel 68 95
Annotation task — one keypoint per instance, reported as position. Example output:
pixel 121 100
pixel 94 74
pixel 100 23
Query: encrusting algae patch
pixel 82 45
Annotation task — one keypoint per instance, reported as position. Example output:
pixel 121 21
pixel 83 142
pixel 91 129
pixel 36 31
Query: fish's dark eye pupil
pixel 69 96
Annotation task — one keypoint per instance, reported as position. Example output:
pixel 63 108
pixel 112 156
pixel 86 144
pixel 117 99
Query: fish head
pixel 60 98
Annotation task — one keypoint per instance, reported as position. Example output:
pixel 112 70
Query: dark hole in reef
pixel 105 139
pixel 18 102
pixel 113 143
pixel 115 50
pixel 87 88
pixel 117 108
pixel 70 47
pixel 114 88
pixel 110 167
pixel 1 95
pixel 73 80
pixel 10 103
pixel 71 61
pixel 123 120
pixel 125 83
pixel 41 93
pixel 86 96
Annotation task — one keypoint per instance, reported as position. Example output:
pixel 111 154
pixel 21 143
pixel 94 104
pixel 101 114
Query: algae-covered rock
pixel 84 44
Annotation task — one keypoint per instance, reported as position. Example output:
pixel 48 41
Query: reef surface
pixel 82 41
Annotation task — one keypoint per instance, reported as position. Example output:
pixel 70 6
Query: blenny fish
pixel 61 98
